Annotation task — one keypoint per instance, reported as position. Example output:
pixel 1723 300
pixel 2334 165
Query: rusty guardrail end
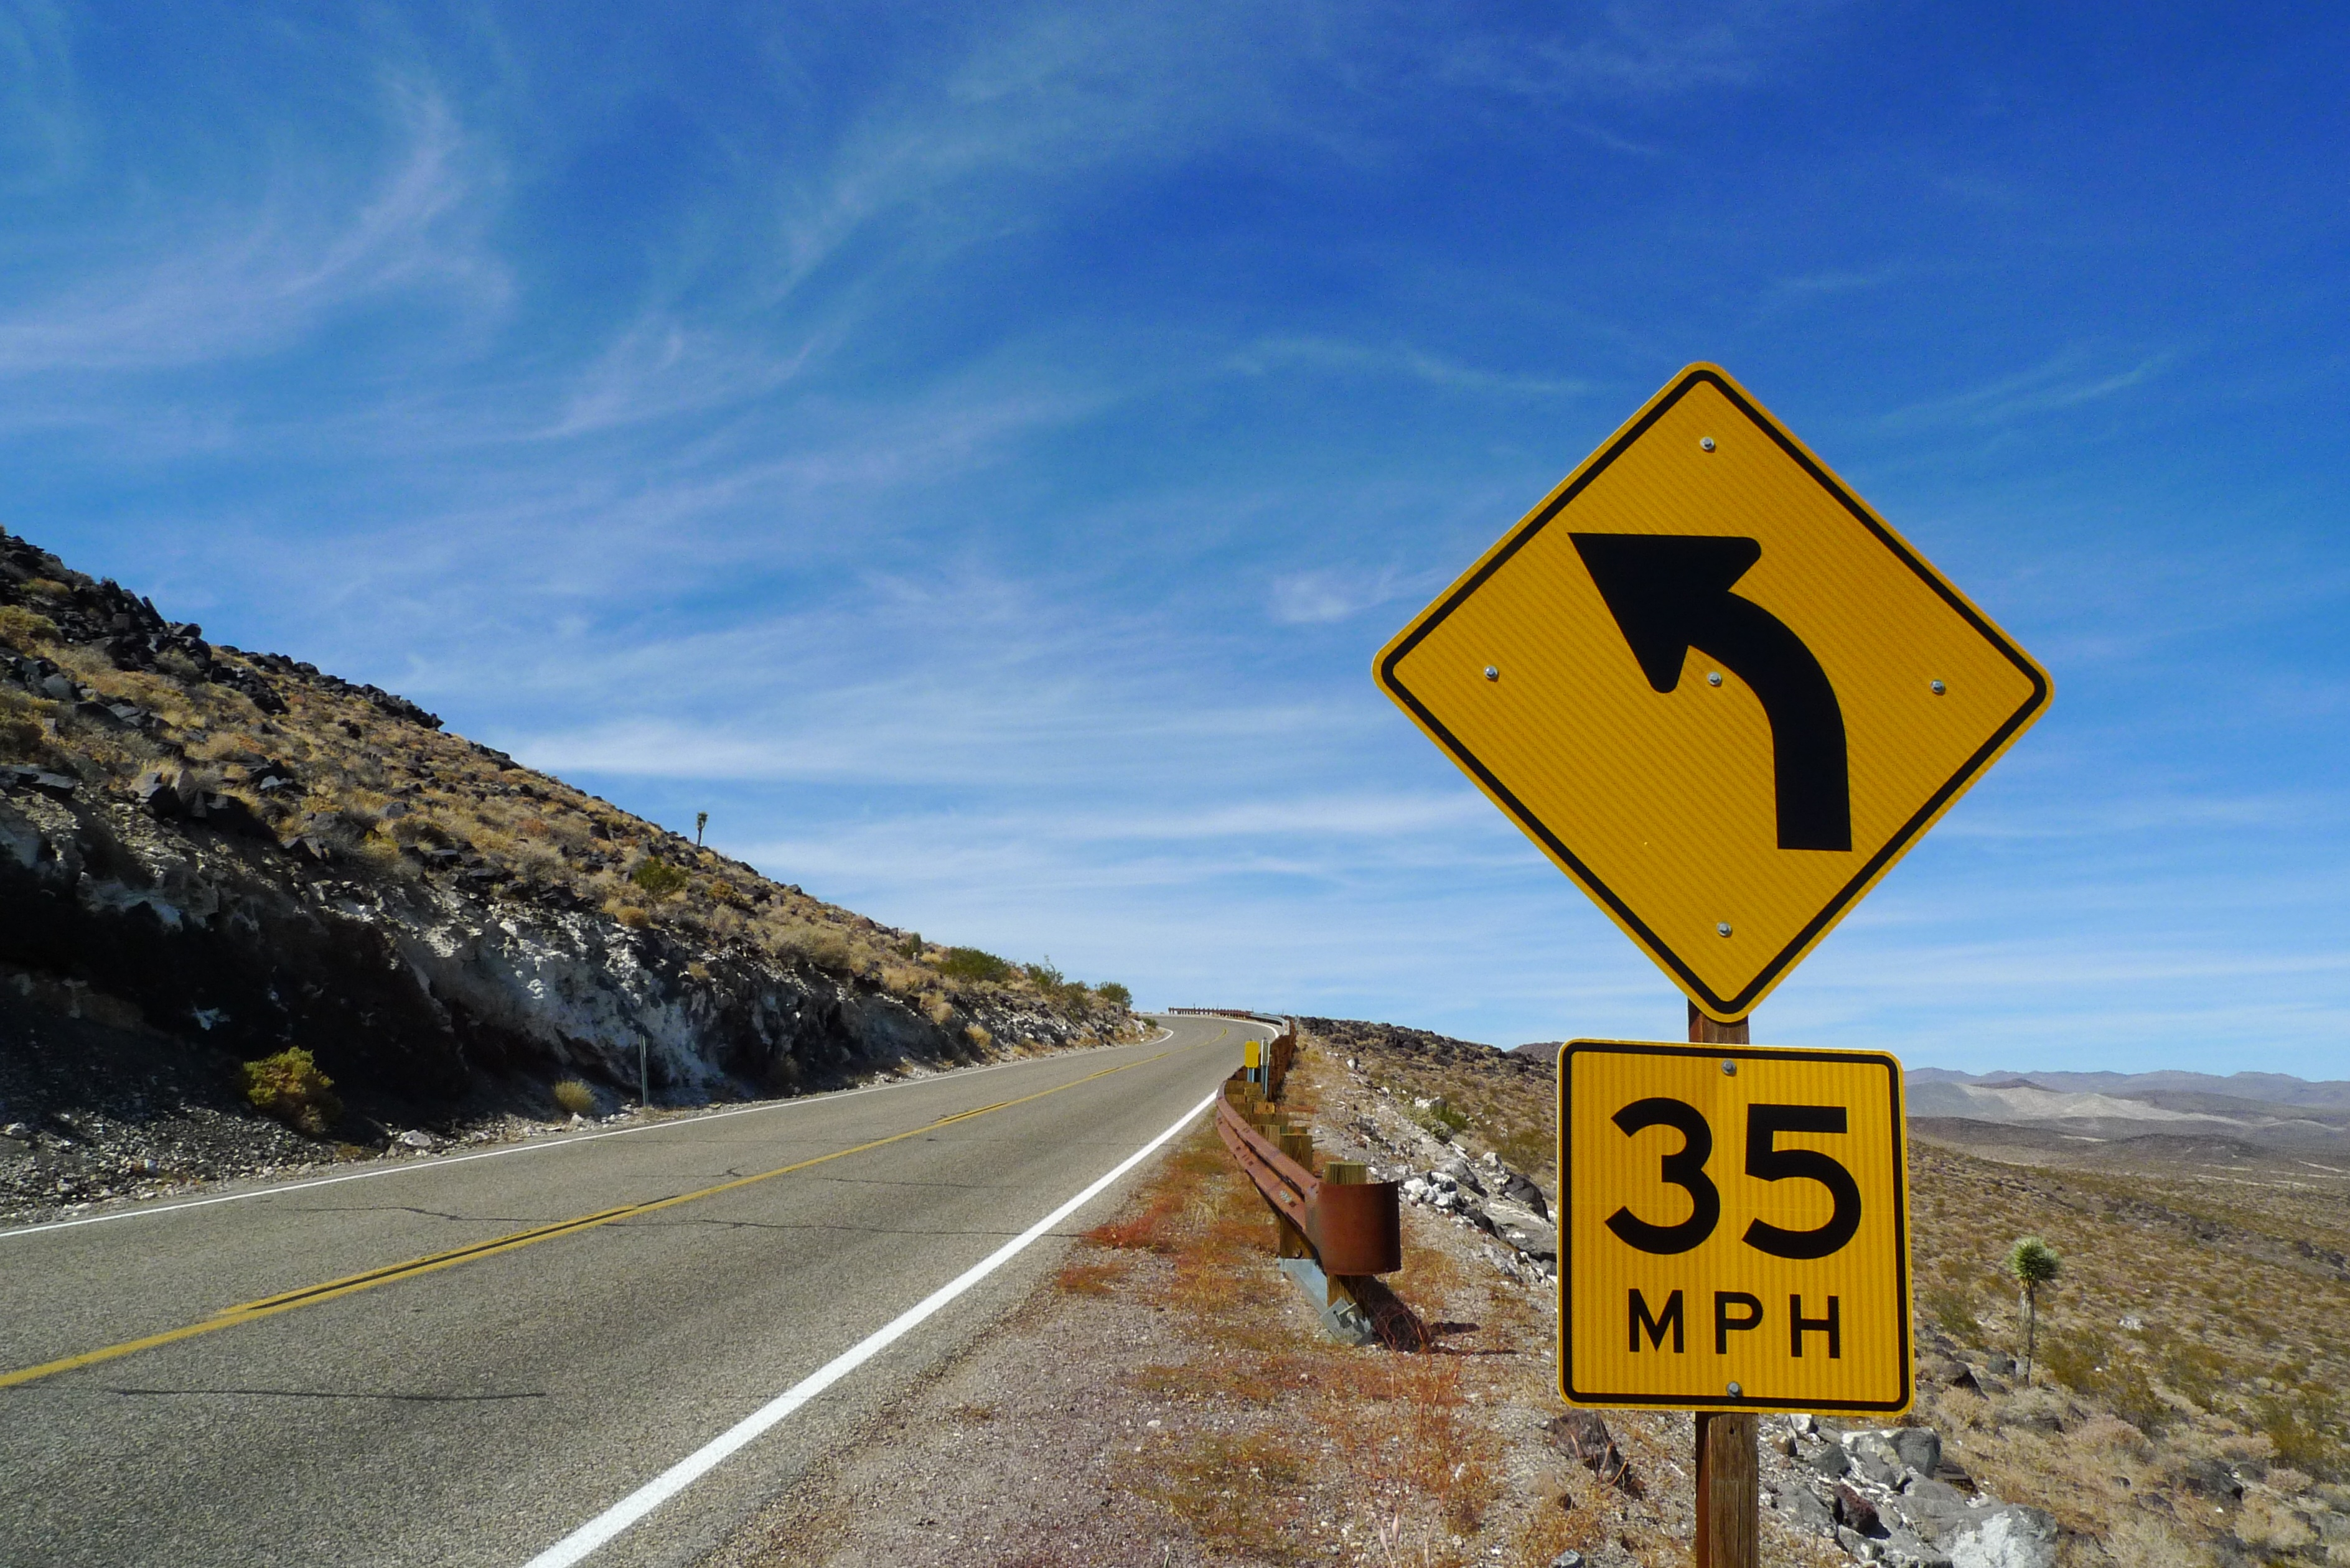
pixel 1356 1228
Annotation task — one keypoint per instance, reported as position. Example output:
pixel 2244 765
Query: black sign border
pixel 1566 1387
pixel 1737 1006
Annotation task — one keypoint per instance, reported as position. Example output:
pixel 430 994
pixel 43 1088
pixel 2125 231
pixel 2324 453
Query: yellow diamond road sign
pixel 1719 693
pixel 1734 1228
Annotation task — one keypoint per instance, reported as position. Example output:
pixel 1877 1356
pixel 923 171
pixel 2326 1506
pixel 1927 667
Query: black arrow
pixel 1670 592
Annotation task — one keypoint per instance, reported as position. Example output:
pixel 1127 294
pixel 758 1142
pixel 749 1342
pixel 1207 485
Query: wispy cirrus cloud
pixel 1330 594
pixel 2062 382
pixel 44 127
pixel 1625 50
pixel 238 279
pixel 1323 355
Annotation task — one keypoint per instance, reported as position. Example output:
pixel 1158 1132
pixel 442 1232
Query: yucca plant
pixel 2034 1263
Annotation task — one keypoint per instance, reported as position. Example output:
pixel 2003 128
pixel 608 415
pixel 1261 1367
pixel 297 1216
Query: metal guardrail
pixel 1350 1226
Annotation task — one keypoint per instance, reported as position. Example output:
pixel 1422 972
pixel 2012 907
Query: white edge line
pixel 412 1167
pixel 609 1524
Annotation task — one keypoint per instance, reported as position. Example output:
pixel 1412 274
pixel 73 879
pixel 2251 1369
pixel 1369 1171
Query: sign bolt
pixel 1705 443
pixel 1493 674
pixel 1729 1068
pixel 1723 929
pixel 1736 1391
pixel 1936 687
pixel 1714 678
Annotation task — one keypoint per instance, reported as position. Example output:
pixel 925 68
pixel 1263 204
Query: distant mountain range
pixel 2269 1088
pixel 2195 1116
pixel 2181 1112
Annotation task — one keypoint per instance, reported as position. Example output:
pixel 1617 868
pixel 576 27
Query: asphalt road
pixel 483 1412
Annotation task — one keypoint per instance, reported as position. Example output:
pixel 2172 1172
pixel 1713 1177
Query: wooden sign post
pixel 1729 1490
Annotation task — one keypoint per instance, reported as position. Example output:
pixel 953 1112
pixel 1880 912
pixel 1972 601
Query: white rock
pixel 417 1137
pixel 2014 1537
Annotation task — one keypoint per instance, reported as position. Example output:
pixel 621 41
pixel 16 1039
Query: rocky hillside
pixel 2187 1404
pixel 209 856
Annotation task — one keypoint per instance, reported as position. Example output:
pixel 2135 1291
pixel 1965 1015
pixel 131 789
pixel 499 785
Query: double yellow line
pixel 352 1285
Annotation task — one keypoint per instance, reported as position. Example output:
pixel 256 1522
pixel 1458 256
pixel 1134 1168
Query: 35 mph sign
pixel 1736 1228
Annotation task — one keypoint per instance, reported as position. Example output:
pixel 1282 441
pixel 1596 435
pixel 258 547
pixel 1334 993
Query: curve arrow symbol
pixel 1670 592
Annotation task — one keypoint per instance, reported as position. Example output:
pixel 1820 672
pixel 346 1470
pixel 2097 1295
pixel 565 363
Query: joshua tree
pixel 2035 1263
pixel 701 821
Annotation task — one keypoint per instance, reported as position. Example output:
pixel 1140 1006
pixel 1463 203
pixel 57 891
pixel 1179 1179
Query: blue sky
pixel 974 453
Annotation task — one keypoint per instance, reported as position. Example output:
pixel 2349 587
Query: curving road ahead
pixel 607 1348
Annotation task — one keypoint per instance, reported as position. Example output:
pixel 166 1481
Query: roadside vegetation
pixel 290 1087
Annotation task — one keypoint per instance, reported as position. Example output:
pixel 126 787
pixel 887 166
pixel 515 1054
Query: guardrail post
pixel 1299 1146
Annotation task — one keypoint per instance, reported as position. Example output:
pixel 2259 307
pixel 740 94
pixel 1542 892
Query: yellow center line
pixel 350 1285
pixel 965 1116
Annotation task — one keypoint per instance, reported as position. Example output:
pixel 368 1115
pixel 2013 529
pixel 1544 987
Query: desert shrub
pixel 575 1097
pixel 819 945
pixel 1114 993
pixel 21 737
pixel 1955 1313
pixel 941 1011
pixel 973 963
pixel 2191 1369
pixel 290 1087
pixel 537 863
pixel 1439 1117
pixel 978 1036
pixel 20 628
pixel 635 918
pixel 2310 1429
pixel 2075 1359
pixel 1526 1147
pixel 660 879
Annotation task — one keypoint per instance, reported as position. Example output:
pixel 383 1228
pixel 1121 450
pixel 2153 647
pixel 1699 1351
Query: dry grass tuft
pixel 1089 1277
pixel 575 1097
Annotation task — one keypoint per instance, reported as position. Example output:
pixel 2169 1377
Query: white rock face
pixel 2010 1538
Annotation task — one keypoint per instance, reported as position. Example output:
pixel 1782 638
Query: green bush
pixel 973 963
pixel 290 1087
pixel 1117 995
pixel 2193 1370
pixel 1439 1118
pixel 2311 1431
pixel 659 877
pixel 1955 1313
